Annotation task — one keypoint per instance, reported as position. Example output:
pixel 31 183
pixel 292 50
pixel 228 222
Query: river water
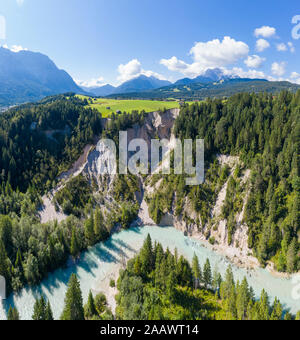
pixel 101 262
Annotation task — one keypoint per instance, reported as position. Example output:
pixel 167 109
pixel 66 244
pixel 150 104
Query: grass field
pixel 108 106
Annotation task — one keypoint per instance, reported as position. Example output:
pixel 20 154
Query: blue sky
pixel 110 41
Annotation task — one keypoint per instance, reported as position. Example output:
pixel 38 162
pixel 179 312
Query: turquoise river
pixel 103 261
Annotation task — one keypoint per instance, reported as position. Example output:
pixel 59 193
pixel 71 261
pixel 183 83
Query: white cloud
pixel 133 69
pixel 295 78
pixel 18 48
pixel 265 32
pixel 278 69
pixel 262 44
pixel 20 2
pixel 174 64
pixel 91 83
pixel 211 54
pixel 216 53
pixel 254 61
pixel 284 47
pixel 15 48
pixel 129 70
pixel 292 47
pixel 281 47
pixel 295 75
pixel 239 72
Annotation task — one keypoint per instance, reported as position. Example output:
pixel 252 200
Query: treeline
pixel 201 91
pixel 30 250
pixel 157 285
pixel 39 141
pixel 264 131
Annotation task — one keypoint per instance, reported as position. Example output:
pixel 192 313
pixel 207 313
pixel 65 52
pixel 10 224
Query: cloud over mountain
pixel 133 69
pixel 210 54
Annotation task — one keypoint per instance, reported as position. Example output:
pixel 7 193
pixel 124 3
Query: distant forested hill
pixel 223 88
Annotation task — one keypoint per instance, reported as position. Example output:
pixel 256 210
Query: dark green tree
pixel 73 309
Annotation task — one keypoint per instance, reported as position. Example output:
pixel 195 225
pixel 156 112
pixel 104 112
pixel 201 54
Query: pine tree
pixel 292 256
pixel 242 300
pixel 98 220
pixel 227 284
pixel 171 284
pixel 196 271
pixel 74 248
pixel 264 307
pixel 147 257
pixel 89 230
pixel 100 230
pixel 49 313
pixel 90 309
pixel 4 266
pixel 13 314
pixel 217 280
pixel 39 310
pixel 19 262
pixel 277 311
pixel 73 309
pixel 231 302
pixel 207 275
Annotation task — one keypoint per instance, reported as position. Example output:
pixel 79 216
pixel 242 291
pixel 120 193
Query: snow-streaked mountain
pixel 210 76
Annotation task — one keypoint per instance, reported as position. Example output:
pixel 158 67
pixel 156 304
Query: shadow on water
pixel 95 263
pixel 110 251
pixel 125 245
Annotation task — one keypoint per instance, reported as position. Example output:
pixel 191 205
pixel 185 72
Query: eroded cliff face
pixel 98 159
pixel 215 233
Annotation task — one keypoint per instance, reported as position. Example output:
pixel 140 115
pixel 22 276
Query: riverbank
pixel 102 262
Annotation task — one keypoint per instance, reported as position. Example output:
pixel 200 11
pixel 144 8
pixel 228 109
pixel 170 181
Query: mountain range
pixel 137 84
pixel 144 83
pixel 28 76
pixel 220 89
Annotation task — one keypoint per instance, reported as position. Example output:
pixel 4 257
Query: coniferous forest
pixel 264 131
pixel 40 141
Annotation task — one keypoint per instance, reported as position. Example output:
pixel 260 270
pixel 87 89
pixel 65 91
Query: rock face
pixel 101 160
pixel 156 125
pixel 98 160
pixel 217 230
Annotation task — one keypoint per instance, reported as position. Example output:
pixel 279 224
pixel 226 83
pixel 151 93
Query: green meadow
pixel 108 106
